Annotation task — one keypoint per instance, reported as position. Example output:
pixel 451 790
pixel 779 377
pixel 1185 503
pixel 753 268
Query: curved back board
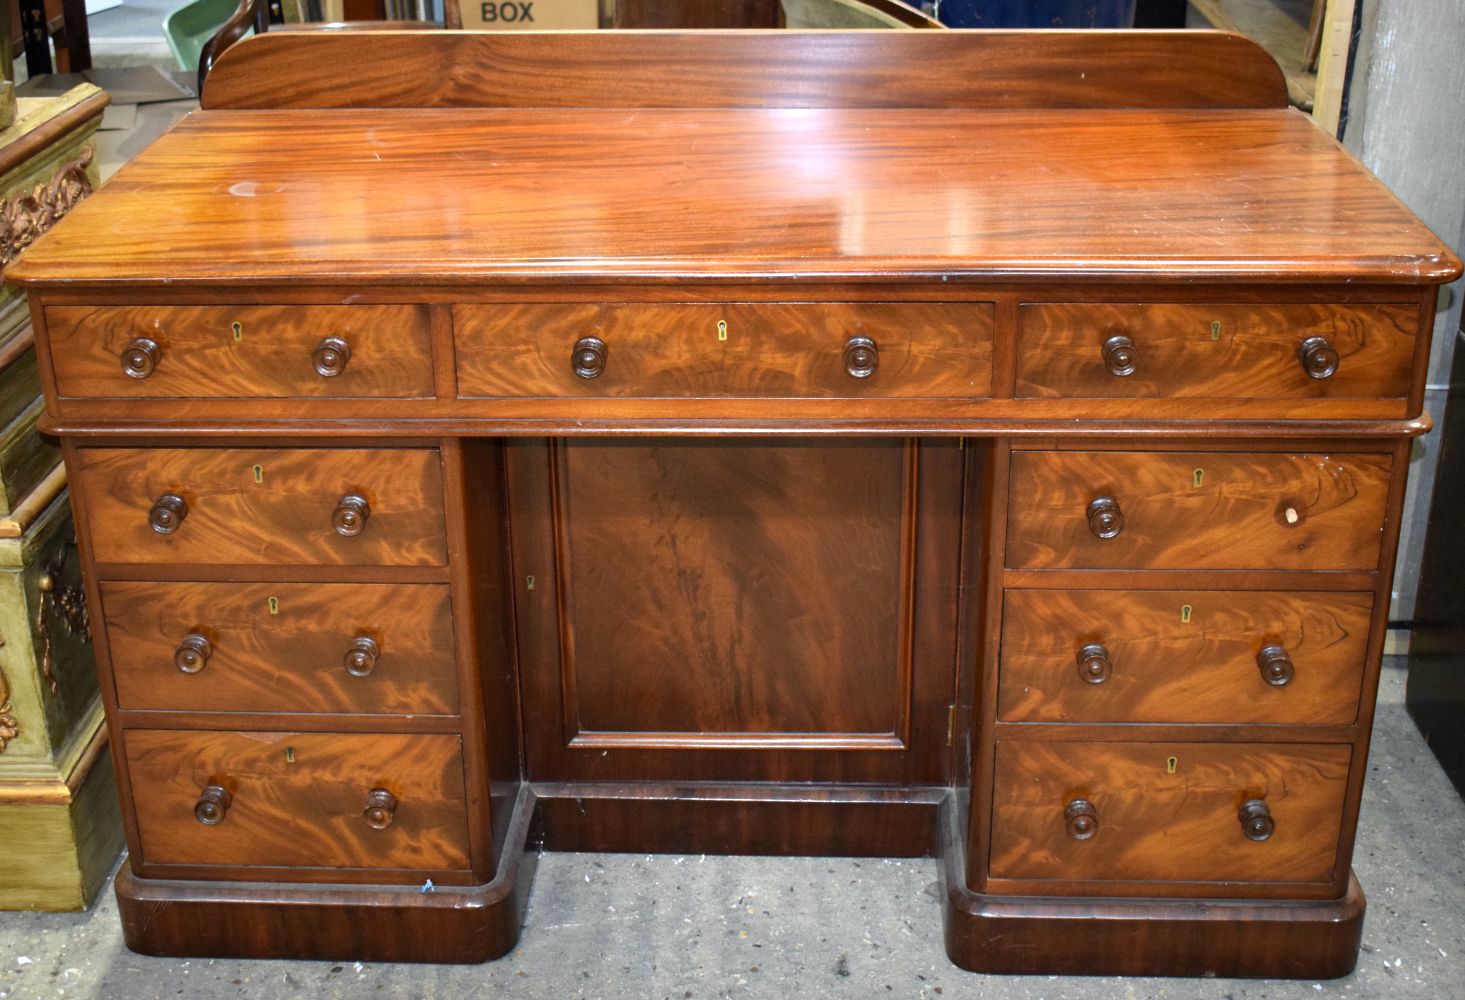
pixel 746 69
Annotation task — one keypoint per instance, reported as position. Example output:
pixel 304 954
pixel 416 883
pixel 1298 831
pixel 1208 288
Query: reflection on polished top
pixel 448 195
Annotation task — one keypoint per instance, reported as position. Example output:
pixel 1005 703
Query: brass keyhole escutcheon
pixel 289 755
pixel 1185 612
pixel 1215 329
pixel 1171 763
pixel 238 332
pixel 528 583
pixel 259 473
pixel 274 605
pixel 722 329
pixel 1197 478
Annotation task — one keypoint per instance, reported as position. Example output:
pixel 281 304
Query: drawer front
pixel 240 351
pixel 1183 656
pixel 758 350
pixel 1239 351
pixel 299 799
pixel 281 647
pixel 1201 510
pixel 263 506
pixel 1147 824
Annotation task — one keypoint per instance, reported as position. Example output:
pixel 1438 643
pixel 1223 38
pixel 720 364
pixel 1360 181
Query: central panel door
pixel 736 609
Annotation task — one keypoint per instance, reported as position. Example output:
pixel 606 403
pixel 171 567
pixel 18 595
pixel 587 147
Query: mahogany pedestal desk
pixel 987 445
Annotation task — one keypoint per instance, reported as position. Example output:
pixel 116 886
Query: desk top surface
pixel 414 196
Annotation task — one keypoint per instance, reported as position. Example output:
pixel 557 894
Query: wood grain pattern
pixel 269 356
pixel 1182 656
pixel 288 659
pixel 775 622
pixel 303 812
pixel 781 350
pixel 1220 350
pixel 1236 519
pixel 465 196
pixel 1157 825
pixel 284 519
pixel 716 69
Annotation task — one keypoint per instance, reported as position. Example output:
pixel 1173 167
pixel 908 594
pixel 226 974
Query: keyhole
pixel 274 604
pixel 1171 763
pixel 1185 612
pixel 1215 329
pixel 259 473
pixel 722 329
pixel 238 332
pixel 1197 477
pixel 528 583
pixel 289 755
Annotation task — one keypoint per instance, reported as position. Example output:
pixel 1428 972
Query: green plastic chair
pixel 190 27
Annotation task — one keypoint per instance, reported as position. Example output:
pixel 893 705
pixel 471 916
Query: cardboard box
pixel 529 15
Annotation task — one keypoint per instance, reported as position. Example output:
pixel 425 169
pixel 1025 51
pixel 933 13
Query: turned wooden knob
pixel 140 357
pixel 1256 820
pixel 167 513
pixel 861 357
pixel 212 805
pixel 589 357
pixel 1081 818
pixel 381 809
pixel 331 356
pixel 193 653
pixel 1275 665
pixel 1093 663
pixel 1106 520
pixel 349 517
pixel 1120 355
pixel 1317 357
pixel 361 655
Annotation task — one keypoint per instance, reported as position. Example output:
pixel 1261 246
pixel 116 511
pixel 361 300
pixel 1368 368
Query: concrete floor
pixel 632 926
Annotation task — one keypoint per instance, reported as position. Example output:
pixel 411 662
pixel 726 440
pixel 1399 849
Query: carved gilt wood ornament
pixel 25 217
pixel 9 728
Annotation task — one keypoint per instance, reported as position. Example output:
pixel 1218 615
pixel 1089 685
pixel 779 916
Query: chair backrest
pixel 855 14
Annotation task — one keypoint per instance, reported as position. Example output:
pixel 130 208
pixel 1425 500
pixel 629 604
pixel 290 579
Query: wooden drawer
pixel 239 351
pixel 755 350
pixel 299 799
pixel 1218 350
pixel 1200 510
pixel 1155 825
pixel 1183 656
pixel 263 506
pixel 281 647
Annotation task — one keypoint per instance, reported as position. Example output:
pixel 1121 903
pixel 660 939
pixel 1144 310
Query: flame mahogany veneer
pixel 980 444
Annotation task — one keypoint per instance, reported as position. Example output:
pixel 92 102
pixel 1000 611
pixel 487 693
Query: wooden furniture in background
pixel 59 825
pixel 748 450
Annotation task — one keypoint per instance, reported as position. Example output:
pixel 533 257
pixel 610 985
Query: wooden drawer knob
pixel 1120 355
pixel 861 357
pixel 349 517
pixel 331 356
pixel 1081 818
pixel 167 513
pixel 212 805
pixel 1275 665
pixel 381 809
pixel 1317 357
pixel 1256 820
pixel 1106 520
pixel 193 653
pixel 140 357
pixel 589 357
pixel 361 655
pixel 1093 663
